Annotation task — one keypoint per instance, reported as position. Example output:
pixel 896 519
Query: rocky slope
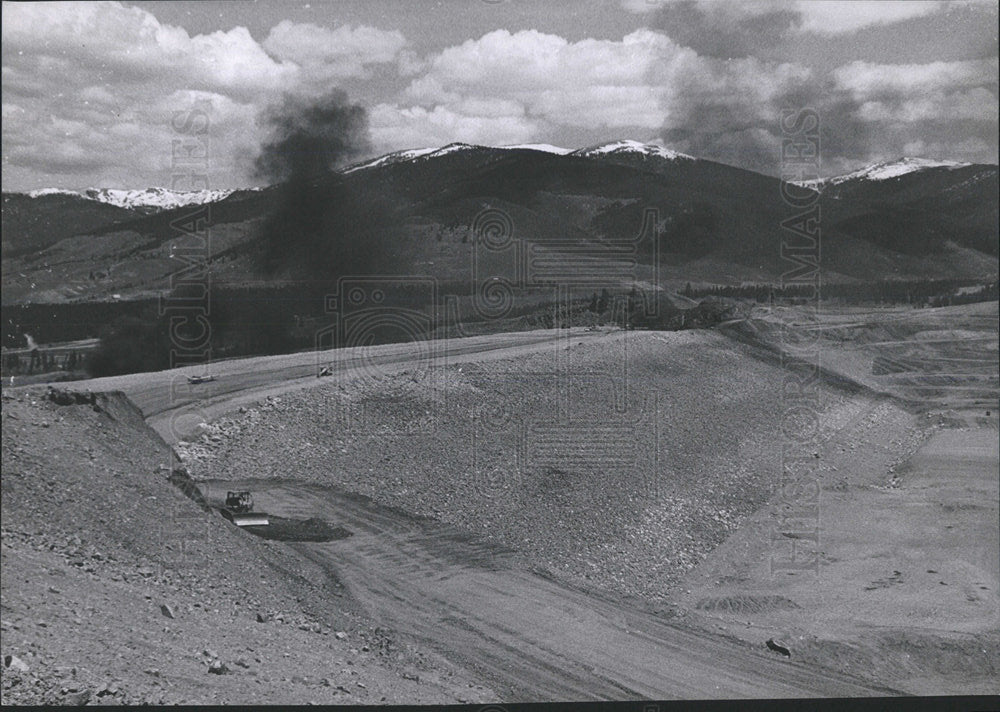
pixel 623 477
pixel 118 588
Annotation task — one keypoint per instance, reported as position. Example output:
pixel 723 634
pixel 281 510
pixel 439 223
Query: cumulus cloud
pixel 129 46
pixel 871 111
pixel 333 54
pixel 950 106
pixel 868 112
pixel 93 86
pixel 514 87
pixel 393 126
pixel 865 80
pixel 100 110
pixel 714 27
pixel 528 83
pixel 830 17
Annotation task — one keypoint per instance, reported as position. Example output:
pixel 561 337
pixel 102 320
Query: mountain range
pixel 715 223
pixel 148 200
pixel 885 170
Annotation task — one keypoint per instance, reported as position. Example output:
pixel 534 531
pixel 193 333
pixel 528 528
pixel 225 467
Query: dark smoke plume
pixel 312 137
pixel 319 230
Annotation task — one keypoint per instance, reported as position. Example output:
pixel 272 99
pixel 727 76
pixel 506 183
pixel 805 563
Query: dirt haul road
pixel 531 637
pixel 174 407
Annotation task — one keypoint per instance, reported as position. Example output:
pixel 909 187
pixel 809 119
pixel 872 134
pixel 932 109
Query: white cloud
pixel 825 17
pixel 977 104
pixel 12 111
pixel 911 93
pixel 394 127
pixel 518 87
pixel 865 80
pixel 98 109
pixel 529 84
pixel 92 87
pixel 329 54
pixel 936 110
pixel 410 63
pixel 126 45
pixel 510 88
pixel 529 61
pixel 832 17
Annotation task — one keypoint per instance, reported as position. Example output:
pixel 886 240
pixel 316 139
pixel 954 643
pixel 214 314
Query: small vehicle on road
pixel 239 510
pixel 205 378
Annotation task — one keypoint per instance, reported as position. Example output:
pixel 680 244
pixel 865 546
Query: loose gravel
pixel 618 463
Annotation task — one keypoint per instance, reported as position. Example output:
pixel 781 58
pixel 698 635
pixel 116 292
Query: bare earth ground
pixel 530 637
pixel 590 561
pixel 907 592
pixel 909 587
pixel 96 542
pixel 618 461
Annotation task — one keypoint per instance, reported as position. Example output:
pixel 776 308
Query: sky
pixel 94 93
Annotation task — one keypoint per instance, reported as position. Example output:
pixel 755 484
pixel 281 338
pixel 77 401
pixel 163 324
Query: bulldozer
pixel 239 510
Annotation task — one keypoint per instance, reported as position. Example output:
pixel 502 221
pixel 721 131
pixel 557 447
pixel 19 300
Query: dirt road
pixel 174 408
pixel 532 638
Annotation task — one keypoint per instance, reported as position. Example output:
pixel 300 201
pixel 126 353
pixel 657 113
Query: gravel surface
pixel 118 589
pixel 618 463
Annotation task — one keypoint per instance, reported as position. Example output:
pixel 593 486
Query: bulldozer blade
pixel 246 519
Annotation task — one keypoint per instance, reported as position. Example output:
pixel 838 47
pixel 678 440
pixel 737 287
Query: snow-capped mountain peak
pixel 893 169
pixel 543 147
pixel 629 146
pixel 617 147
pixel 452 148
pixel 394 157
pixel 414 154
pixel 50 191
pixel 156 198
pixel 409 154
